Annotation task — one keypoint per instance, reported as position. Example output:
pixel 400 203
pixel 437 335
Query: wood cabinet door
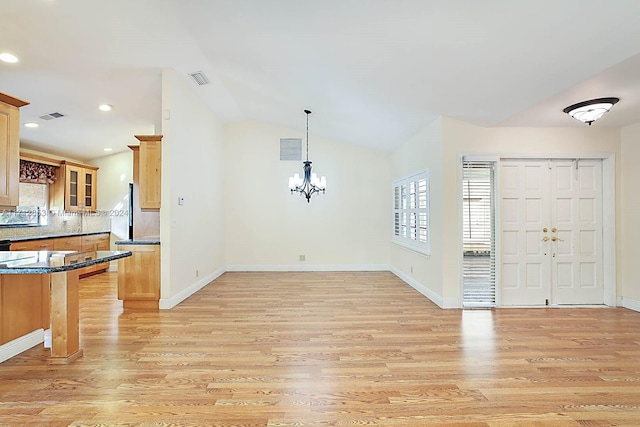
pixel 89 189
pixel 9 154
pixel 73 194
pixel 139 274
pixel 150 174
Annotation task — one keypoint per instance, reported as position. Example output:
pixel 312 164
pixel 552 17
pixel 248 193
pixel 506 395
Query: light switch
pixel 181 201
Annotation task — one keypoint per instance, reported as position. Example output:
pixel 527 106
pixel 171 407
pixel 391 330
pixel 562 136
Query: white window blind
pixel 478 226
pixel 411 212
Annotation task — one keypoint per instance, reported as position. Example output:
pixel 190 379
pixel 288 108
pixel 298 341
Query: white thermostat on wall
pixel 181 201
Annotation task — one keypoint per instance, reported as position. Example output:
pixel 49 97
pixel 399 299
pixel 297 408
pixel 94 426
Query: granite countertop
pixel 147 240
pixel 44 262
pixel 52 236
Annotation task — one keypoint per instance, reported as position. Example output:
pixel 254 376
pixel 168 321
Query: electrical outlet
pixel 302 257
pixel 412 269
pixel 197 273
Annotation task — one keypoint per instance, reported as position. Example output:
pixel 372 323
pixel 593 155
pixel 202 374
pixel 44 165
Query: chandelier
pixel 590 111
pixel 310 183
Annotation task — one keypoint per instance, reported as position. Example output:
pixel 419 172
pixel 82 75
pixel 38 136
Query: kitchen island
pixel 30 283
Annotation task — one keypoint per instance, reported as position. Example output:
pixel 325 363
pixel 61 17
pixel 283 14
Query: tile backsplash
pixel 61 224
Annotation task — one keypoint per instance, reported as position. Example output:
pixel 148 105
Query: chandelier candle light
pixel 310 184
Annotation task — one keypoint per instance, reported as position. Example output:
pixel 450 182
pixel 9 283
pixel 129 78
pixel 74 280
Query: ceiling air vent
pixel 52 116
pixel 199 78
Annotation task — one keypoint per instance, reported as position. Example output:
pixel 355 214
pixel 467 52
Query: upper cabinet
pixel 76 188
pixel 9 149
pixel 150 172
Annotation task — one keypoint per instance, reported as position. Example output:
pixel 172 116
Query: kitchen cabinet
pixel 146 222
pixel 139 276
pixel 90 242
pixel 9 149
pixel 150 171
pixel 95 242
pixel 33 245
pixel 75 189
pixel 71 243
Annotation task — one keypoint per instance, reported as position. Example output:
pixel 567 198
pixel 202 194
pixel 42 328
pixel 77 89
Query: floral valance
pixel 37 173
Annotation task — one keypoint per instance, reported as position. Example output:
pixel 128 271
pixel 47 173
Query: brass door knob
pixel 545 229
pixel 556 239
pixel 545 238
pixel 553 230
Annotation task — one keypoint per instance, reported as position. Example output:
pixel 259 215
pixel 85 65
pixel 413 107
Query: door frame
pixel 608 215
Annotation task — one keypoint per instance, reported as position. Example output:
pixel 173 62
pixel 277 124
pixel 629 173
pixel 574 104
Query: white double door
pixel 551 232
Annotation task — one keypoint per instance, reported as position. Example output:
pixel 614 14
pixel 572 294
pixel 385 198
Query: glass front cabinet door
pixel 79 187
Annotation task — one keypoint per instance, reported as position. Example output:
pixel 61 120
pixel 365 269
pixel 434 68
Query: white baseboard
pixel 451 303
pixel 340 267
pixel 168 303
pixel 631 304
pixel 435 298
pixel 17 346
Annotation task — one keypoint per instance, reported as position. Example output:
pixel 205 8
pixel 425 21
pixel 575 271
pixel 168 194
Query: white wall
pixel 268 228
pixel 192 235
pixel 114 176
pixel 461 138
pixel 423 151
pixel 440 147
pixel 630 229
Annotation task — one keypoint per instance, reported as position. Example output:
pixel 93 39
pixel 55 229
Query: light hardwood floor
pixel 328 349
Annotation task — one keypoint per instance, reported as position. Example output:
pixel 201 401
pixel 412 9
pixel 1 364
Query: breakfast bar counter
pixel 30 283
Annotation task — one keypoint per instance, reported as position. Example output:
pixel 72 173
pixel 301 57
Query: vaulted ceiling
pixel 374 72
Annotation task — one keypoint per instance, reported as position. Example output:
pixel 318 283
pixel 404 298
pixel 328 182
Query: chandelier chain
pixel 308 112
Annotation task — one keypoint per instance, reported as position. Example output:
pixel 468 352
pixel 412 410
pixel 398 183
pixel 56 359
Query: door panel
pixel 577 213
pixel 524 213
pixel 562 265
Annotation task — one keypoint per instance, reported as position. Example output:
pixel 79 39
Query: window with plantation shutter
pixel 411 212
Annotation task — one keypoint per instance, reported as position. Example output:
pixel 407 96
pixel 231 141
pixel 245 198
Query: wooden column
pixel 65 317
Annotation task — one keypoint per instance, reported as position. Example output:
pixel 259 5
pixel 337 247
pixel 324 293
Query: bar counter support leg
pixel 65 317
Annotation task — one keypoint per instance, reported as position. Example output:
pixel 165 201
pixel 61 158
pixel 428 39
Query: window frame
pixel 411 221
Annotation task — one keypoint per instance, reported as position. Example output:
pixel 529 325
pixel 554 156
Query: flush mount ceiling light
pixel 590 111
pixel 108 149
pixel 310 183
pixel 31 125
pixel 105 107
pixel 7 57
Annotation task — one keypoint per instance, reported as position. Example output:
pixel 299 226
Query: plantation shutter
pixel 479 272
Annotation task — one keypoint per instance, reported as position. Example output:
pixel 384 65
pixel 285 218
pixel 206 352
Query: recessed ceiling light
pixel 108 149
pixel 31 125
pixel 7 57
pixel 105 107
